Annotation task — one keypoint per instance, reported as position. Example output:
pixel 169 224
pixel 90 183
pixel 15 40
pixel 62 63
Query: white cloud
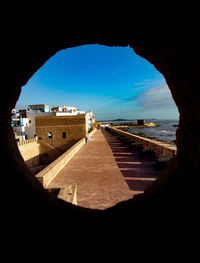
pixel 149 83
pixel 157 98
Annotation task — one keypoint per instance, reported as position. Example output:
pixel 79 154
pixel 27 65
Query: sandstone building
pixel 23 122
pixel 61 132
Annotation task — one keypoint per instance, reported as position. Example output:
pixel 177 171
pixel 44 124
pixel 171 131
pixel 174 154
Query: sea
pixel 166 131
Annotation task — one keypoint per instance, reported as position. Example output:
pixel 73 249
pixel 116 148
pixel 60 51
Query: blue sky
pixel 114 82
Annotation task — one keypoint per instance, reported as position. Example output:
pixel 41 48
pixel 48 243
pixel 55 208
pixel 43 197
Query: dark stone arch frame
pixel 172 47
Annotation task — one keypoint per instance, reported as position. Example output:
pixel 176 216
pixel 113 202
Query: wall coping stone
pixel 49 173
pixel 164 145
pixel 27 141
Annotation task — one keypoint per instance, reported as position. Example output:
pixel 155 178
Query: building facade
pixel 23 122
pixel 29 115
pixel 40 107
pixel 73 111
pixel 61 131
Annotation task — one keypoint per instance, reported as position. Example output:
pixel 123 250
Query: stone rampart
pixel 50 172
pixel 30 151
pixel 61 131
pixel 33 149
pixel 161 149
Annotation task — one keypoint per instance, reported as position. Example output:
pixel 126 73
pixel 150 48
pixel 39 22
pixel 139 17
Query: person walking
pixel 86 139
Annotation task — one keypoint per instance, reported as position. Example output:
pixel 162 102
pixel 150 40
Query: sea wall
pixel 162 149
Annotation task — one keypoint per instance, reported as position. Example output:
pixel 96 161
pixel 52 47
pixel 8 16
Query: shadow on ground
pixel 138 171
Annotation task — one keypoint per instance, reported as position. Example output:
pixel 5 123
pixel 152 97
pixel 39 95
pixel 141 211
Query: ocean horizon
pixel 166 131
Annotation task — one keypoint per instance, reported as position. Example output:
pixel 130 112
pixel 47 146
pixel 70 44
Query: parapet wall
pixel 161 149
pixel 50 172
pixel 32 150
pixel 27 141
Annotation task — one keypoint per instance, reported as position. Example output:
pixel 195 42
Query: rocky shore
pixel 132 126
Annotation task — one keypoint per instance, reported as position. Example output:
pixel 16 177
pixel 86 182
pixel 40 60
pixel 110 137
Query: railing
pixel 27 141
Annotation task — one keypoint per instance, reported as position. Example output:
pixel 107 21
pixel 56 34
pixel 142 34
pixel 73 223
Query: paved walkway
pixel 106 172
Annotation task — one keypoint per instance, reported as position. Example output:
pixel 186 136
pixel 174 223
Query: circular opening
pixel 126 94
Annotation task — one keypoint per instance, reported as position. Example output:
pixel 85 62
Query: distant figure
pixel 86 139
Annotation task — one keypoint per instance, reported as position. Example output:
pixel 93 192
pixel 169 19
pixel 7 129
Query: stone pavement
pixel 106 172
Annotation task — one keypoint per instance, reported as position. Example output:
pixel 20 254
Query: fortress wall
pixel 50 172
pixel 161 149
pixel 32 151
pixel 74 128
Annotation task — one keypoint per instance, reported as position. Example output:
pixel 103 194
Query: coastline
pixel 153 138
pixel 162 149
pixel 159 130
pixel 127 129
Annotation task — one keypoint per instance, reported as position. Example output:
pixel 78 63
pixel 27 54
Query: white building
pixel 23 122
pixel 90 119
pixel 19 132
pixel 40 107
pixel 28 120
pixel 67 109
pixel 18 125
pixel 72 111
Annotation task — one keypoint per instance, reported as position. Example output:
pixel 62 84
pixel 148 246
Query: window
pixel 64 135
pixel 50 135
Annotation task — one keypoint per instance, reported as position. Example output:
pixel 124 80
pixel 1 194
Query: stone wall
pixel 50 172
pixel 168 37
pixel 74 128
pixel 32 151
pixel 161 149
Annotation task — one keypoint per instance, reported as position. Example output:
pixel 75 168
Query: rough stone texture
pixel 169 39
pixel 161 149
pixel 33 149
pixel 73 126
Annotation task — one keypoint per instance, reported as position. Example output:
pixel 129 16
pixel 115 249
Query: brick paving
pixel 106 172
